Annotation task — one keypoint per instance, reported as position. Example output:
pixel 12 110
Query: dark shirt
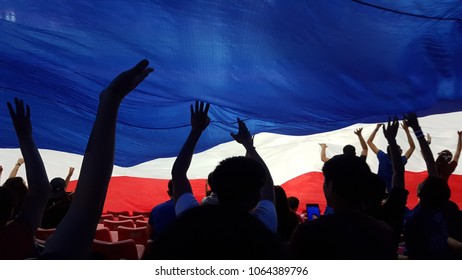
pixel 56 210
pixel 354 236
pixel 216 232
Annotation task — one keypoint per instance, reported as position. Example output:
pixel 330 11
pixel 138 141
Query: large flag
pixel 298 72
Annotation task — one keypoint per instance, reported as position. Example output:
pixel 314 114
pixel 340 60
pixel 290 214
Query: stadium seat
pixel 144 213
pixel 106 217
pixel 141 223
pixel 43 234
pixel 124 249
pixel 118 213
pixel 113 225
pixel 138 235
pixel 133 218
pixel 104 234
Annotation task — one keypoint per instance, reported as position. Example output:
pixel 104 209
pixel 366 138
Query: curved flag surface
pixel 310 70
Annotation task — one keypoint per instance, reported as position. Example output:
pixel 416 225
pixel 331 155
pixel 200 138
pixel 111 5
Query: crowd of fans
pixel 244 216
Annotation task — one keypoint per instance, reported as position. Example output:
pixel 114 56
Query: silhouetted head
pixel 210 181
pixel 58 185
pixel 293 202
pixel 345 178
pixel 170 188
pixel 237 181
pixel 19 191
pixel 58 188
pixel 444 156
pixel 280 197
pixel 349 150
pixel 389 150
pixel 434 192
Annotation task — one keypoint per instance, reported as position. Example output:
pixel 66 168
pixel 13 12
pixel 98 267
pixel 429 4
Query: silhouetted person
pixel 389 208
pixel 73 237
pixel 348 149
pixel 348 233
pixel 385 170
pixel 162 215
pixel 242 225
pixel 287 219
pixel 17 237
pixel 58 204
pixel 293 204
pixel 433 228
pixel 445 162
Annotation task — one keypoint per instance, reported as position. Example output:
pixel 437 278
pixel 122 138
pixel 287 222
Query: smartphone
pixel 313 211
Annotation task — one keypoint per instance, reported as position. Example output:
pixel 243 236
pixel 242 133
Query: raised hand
pixel 358 131
pixel 379 125
pixel 243 136
pixel 199 118
pixel 391 130
pixel 323 145
pixel 459 133
pixel 20 161
pixel 21 119
pixel 429 138
pixel 411 121
pixel 405 126
pixel 126 82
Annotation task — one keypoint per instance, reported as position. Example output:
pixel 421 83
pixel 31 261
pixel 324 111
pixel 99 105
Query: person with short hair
pixel 162 215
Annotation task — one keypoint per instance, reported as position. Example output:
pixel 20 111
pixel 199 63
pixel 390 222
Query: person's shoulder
pixel 169 204
pixel 381 154
pixel 321 222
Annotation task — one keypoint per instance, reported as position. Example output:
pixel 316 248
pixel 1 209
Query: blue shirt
pixel 386 169
pixel 162 216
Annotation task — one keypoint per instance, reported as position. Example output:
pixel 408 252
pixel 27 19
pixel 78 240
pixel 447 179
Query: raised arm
pixel 74 236
pixel 390 133
pixel 459 147
pixel 410 140
pixel 324 158
pixel 364 150
pixel 245 138
pixel 199 122
pixel 14 171
pixel 39 188
pixel 69 176
pixel 370 140
pixel 411 121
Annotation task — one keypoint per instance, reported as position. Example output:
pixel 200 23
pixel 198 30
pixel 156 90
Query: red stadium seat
pixel 104 234
pixel 143 213
pixel 125 249
pixel 113 225
pixel 43 234
pixel 106 217
pixel 118 213
pixel 141 223
pixel 133 218
pixel 138 235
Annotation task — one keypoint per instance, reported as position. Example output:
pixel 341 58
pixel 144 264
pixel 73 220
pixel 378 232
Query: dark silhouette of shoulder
pixel 216 232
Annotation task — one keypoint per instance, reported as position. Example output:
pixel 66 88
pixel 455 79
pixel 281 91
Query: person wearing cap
pixel 446 163
pixel 59 202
